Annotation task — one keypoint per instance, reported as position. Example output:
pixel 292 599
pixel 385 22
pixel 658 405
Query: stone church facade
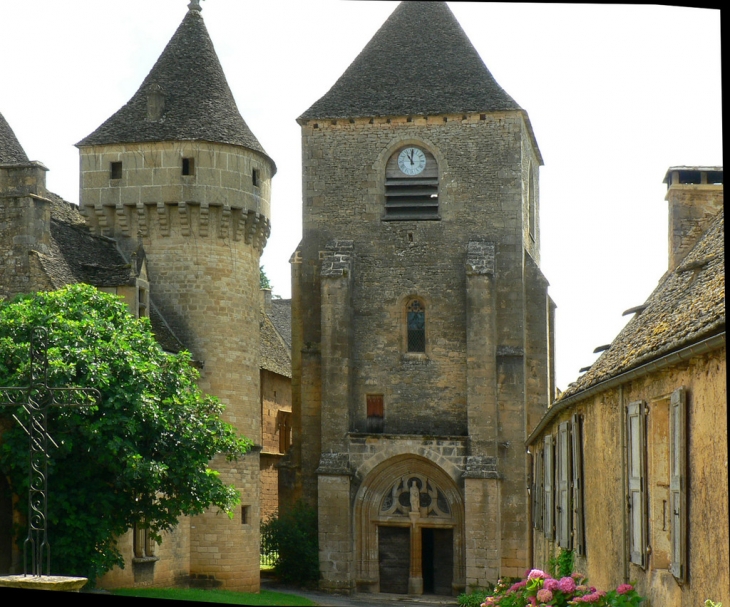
pixel 422 341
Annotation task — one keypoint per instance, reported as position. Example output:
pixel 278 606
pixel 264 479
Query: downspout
pixel 530 527
pixel 625 513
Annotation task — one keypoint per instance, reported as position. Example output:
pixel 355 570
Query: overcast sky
pixel 616 95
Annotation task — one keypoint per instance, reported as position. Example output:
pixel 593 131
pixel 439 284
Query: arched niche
pixel 385 499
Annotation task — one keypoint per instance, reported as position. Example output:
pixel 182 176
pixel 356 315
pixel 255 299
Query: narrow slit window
pixel 255 178
pixel 116 170
pixel 188 166
pixel 416 319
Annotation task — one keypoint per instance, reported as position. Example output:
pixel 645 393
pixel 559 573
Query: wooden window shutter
pixel 678 483
pixel 562 486
pixel 579 526
pixel 548 505
pixel 636 447
pixel 537 489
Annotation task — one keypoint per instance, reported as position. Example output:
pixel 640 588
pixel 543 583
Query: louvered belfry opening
pixel 411 185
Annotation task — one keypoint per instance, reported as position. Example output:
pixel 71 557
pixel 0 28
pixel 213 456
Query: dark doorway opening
pixel 437 558
pixel 394 556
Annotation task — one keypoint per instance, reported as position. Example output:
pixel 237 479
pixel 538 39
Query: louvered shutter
pixel 636 448
pixel 562 486
pixel 537 489
pixel 578 529
pixel 678 482
pixel 548 512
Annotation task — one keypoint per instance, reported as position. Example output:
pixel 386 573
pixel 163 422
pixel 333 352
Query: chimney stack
pixel 695 195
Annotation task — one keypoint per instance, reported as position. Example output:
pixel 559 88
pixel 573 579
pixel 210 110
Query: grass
pixel 266 597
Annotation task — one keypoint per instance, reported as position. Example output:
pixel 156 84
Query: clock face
pixel 411 161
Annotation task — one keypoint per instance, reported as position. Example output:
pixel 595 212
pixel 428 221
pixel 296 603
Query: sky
pixel 616 94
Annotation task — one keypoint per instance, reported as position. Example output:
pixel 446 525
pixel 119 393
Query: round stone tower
pixel 178 170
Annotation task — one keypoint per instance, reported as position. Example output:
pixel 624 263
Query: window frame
pixel 410 301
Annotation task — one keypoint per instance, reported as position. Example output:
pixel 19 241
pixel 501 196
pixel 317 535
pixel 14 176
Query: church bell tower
pixel 421 320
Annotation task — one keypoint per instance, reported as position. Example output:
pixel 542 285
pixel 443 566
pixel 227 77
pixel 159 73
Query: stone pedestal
pixel 44 582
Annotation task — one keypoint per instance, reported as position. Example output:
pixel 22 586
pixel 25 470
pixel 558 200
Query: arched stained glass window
pixel 416 319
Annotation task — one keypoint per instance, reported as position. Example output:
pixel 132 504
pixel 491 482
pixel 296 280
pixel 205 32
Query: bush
pixel 293 536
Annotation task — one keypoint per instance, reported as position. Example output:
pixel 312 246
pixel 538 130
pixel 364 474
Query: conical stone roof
pixel 419 62
pixel 189 89
pixel 10 149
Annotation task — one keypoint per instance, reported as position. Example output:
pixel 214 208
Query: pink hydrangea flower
pixel 624 588
pixel 517 586
pixel 537 573
pixel 566 585
pixel 593 597
pixel 544 595
pixel 551 584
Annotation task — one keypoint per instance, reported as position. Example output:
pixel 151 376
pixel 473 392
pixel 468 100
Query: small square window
pixel 116 170
pixel 188 166
pixel 375 411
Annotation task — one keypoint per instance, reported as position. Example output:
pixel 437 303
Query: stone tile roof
pixel 275 355
pixel 688 305
pixel 198 103
pixel 77 255
pixel 419 62
pixel 280 315
pixel 10 149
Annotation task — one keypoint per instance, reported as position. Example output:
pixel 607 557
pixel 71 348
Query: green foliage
pixel 709 603
pixel 226 597
pixel 142 455
pixel 562 565
pixel 293 535
pixel 475 597
pixel 264 282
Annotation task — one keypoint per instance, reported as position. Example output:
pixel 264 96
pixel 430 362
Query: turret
pixel 178 168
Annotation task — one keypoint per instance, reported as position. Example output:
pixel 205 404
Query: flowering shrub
pixel 539 589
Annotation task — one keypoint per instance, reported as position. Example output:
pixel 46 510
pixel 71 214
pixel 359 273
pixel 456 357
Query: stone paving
pixel 362 600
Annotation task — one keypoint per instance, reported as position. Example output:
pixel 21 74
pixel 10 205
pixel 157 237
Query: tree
pixel 141 456
pixel 264 282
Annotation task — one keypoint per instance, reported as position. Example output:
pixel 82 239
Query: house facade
pixel 629 465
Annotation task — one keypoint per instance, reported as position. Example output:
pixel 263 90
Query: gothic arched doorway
pixel 409 521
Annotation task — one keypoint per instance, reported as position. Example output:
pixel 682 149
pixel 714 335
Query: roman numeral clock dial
pixel 411 161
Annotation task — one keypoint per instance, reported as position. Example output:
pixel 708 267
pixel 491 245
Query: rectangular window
pixel 562 485
pixel 548 515
pixel 376 413
pixel 636 502
pixel 579 545
pixel 678 483
pixel 245 515
pixel 255 178
pixel 143 544
pixel 188 166
pixel 284 430
pixel 116 170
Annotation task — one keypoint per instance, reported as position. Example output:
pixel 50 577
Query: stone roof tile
pixel 196 101
pixel 688 305
pixel 419 62
pixel 11 151
pixel 275 356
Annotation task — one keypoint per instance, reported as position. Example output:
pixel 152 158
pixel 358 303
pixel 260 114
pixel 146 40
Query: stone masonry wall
pixel 203 235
